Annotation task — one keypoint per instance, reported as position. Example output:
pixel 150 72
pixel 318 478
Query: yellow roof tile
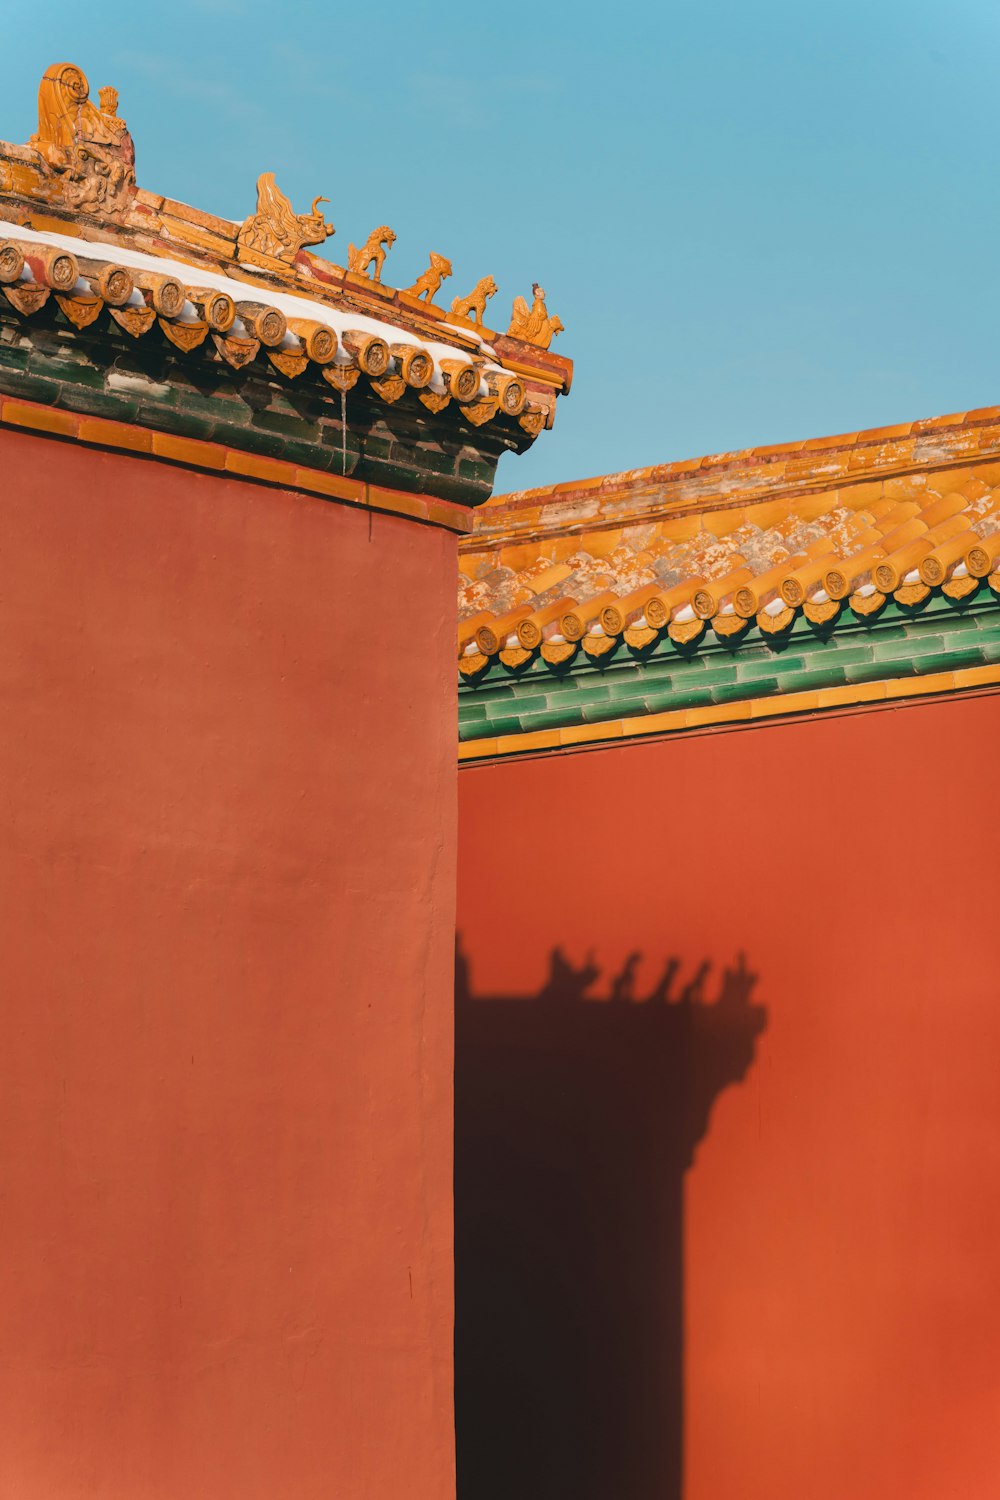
pixel 666 547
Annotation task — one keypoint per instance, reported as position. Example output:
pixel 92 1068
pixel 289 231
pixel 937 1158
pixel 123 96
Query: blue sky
pixel 758 222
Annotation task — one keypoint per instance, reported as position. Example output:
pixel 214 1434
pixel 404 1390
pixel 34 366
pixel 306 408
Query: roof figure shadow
pixel 576 1119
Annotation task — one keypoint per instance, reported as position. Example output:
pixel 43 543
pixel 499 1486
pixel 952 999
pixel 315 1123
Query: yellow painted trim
pixel 747 711
pixel 234 462
pixel 535 372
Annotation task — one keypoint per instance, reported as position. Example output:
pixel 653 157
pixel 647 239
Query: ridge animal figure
pixel 474 305
pixel 430 281
pixel 533 324
pixel 276 229
pixel 373 249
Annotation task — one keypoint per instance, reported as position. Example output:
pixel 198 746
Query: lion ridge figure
pixel 373 249
pixel 473 306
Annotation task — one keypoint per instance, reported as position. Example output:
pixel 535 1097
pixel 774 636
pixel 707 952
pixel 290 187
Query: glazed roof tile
pixel 733 542
pixel 38 263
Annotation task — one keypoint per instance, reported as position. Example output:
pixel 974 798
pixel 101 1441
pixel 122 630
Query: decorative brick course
pixel 215 457
pixel 852 696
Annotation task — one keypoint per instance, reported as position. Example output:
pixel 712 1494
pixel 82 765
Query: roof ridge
pixel 745 458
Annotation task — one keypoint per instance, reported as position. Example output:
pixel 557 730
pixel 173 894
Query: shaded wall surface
pixel 732 1231
pixel 226 950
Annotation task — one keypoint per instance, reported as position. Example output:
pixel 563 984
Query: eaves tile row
pixel 725 571
pixel 727 680
pixel 232 320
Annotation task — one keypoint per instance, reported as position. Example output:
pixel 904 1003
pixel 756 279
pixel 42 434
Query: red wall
pixel 226 930
pixel 813 1303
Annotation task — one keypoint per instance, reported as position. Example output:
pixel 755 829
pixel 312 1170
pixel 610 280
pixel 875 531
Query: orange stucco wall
pixel 226 932
pixel 771 1227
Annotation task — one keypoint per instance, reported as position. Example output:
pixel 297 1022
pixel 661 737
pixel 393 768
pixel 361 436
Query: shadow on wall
pixel 575 1120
